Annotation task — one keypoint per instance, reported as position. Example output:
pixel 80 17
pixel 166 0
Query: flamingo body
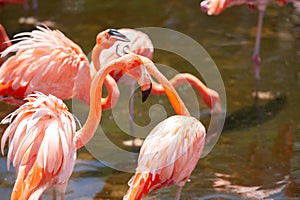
pixel 41 145
pixel 45 61
pixel 172 149
pixel 49 62
pixel 168 155
pixel 215 7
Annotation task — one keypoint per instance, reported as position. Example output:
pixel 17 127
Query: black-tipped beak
pixel 146 93
pixel 119 36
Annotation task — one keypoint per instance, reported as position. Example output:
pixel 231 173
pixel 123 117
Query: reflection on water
pixel 249 161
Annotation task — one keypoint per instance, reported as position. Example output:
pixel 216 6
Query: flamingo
pixel 49 62
pixel 43 138
pixel 172 149
pixel 4 41
pixel 141 44
pixel 24 2
pixel 215 7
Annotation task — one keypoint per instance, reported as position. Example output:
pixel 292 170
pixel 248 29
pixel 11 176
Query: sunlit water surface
pixel 249 161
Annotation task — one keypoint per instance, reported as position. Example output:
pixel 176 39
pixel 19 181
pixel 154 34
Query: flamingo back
pixel 46 61
pixel 168 155
pixel 41 145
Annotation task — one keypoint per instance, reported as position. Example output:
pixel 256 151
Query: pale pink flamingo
pixel 43 138
pixel 4 41
pixel 49 62
pixel 172 149
pixel 215 7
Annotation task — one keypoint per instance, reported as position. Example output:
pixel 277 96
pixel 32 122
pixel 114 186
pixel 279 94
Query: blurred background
pixel 258 153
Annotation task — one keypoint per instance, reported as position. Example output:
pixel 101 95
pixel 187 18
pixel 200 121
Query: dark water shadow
pixel 254 115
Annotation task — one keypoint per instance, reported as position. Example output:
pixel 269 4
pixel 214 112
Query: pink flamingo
pixel 4 41
pixel 140 44
pixel 172 149
pixel 51 63
pixel 215 7
pixel 210 97
pixel 24 2
pixel 43 138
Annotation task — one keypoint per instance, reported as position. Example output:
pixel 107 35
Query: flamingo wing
pixel 46 61
pixel 41 145
pixel 168 156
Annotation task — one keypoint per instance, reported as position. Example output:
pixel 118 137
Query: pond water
pixel 258 153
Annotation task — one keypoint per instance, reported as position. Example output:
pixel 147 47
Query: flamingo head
pixel 214 102
pixel 135 67
pixel 144 80
pixel 108 37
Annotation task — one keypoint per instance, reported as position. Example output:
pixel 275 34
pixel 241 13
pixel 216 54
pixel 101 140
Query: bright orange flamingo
pixel 215 7
pixel 49 62
pixel 172 149
pixel 4 41
pixel 43 138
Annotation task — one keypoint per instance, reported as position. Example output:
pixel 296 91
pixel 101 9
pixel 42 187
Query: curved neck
pixel 178 79
pixel 198 85
pixel 174 98
pixel 96 56
pixel 89 128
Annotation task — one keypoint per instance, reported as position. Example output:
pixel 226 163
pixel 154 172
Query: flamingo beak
pixel 146 92
pixel 117 35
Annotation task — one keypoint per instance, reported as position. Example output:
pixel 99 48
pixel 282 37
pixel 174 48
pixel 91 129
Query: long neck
pixel 174 98
pixel 96 56
pixel 89 128
pixel 178 79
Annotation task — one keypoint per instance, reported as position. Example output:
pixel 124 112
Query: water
pixel 250 161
